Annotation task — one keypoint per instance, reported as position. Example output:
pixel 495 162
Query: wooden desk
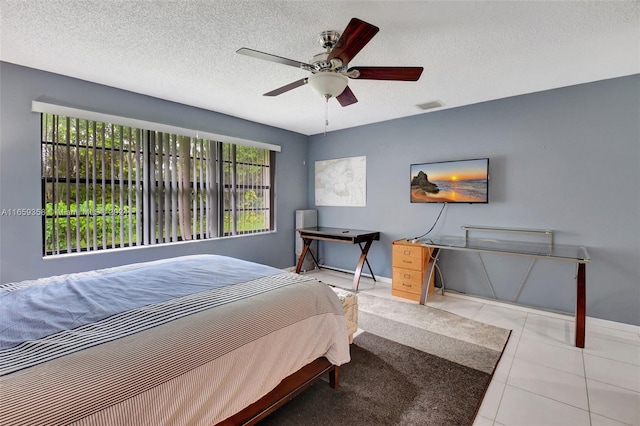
pixel 339 235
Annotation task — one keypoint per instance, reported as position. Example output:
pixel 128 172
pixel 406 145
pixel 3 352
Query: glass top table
pixel 533 249
pixel 570 253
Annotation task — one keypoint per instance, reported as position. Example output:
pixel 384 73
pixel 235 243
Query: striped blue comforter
pixel 48 316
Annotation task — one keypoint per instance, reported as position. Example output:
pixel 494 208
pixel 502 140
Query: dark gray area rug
pixel 388 383
pixel 412 365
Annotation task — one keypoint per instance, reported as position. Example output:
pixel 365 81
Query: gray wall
pixel 565 159
pixel 21 237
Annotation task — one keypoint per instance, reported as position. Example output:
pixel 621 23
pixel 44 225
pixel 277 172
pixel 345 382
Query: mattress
pixel 196 355
pixel 349 302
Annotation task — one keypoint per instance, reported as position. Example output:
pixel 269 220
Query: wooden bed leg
pixel 334 378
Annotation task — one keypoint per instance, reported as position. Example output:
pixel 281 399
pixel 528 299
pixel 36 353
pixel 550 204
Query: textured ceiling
pixel 184 51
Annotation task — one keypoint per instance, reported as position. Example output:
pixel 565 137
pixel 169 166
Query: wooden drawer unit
pixel 409 263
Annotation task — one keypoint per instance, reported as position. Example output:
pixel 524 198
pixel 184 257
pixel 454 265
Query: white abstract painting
pixel 341 182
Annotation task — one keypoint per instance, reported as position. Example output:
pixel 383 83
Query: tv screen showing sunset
pixel 464 181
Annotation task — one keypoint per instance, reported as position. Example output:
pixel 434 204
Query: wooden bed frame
pixel 286 391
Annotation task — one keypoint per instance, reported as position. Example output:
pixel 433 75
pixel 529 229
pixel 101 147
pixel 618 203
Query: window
pixel 107 186
pixel 247 198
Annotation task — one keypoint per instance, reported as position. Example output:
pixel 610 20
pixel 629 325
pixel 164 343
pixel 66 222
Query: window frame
pixel 150 187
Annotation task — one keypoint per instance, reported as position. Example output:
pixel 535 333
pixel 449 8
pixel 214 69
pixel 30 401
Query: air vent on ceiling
pixel 430 105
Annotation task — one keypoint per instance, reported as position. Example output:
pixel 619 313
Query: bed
pixel 201 339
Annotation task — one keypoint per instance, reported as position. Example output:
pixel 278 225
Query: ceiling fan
pixel 330 70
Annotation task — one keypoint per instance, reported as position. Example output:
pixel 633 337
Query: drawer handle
pixel 407 285
pixel 407 261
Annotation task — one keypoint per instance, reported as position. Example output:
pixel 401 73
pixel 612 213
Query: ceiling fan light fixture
pixel 328 83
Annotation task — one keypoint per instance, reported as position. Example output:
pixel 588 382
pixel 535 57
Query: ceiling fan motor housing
pixel 328 39
pixel 321 62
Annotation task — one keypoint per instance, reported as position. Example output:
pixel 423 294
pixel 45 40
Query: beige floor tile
pixel 613 349
pixel 598 420
pixel 614 402
pixel 612 372
pixel 549 382
pixel 491 401
pixel 550 330
pixel 502 317
pixel 549 355
pixel 522 408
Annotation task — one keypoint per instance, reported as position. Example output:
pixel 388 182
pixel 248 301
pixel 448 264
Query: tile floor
pixel 542 379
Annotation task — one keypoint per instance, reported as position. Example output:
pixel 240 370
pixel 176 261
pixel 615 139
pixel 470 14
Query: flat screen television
pixel 461 181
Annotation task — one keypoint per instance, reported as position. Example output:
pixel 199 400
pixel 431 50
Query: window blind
pixel 108 185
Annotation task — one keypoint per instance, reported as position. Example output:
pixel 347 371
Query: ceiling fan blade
pixel 357 34
pixel 388 73
pixel 286 88
pixel 347 97
pixel 272 58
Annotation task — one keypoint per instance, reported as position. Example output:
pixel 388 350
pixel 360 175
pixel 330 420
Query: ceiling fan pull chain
pixel 326 113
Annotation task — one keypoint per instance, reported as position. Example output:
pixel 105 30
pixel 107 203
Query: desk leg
pixel 431 267
pixel 305 249
pixel 363 259
pixel 581 302
pixel 307 243
pixel 367 262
